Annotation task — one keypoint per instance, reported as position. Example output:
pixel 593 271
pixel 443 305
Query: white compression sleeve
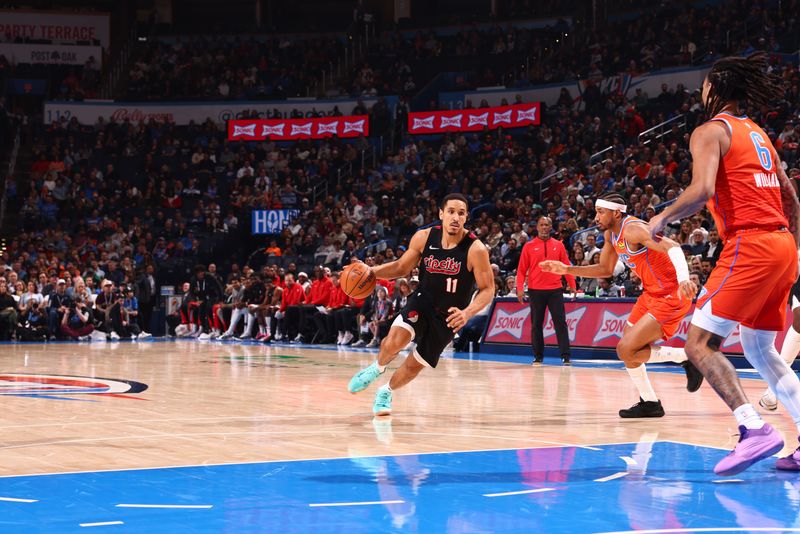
pixel 759 349
pixel 679 262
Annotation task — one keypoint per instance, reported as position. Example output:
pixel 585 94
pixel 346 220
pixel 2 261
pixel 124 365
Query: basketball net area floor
pixel 188 436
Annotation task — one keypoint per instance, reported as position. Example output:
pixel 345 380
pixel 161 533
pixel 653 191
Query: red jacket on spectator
pixel 321 291
pixel 338 298
pixel 292 296
pixel 388 284
pixel 537 250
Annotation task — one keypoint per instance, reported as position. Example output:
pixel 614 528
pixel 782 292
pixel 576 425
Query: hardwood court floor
pixel 214 403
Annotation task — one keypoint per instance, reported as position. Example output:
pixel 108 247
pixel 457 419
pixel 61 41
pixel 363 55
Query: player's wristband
pixel 679 262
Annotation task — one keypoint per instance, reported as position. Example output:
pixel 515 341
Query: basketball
pixel 357 280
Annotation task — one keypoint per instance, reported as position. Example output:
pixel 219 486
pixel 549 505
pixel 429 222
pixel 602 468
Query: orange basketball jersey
pixel 654 268
pixel 747 193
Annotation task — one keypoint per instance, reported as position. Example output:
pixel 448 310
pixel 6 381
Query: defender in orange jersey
pixel 658 312
pixel 737 174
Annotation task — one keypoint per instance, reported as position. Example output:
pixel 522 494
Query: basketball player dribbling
pixel 736 171
pixel 451 261
pixel 658 312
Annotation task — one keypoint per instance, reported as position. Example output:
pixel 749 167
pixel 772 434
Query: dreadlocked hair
pixel 742 78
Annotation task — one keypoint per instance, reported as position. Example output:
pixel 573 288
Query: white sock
pixel 642 382
pixel 381 368
pixel 659 354
pixel 748 417
pixel 386 387
pixel 791 346
pixel 269 324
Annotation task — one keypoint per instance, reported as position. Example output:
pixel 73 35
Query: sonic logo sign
pixel 66 387
pixel 591 323
pixel 573 319
pixel 611 325
pixel 511 323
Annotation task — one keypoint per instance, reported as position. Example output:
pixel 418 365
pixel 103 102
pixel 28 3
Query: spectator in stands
pixel 713 248
pixel 254 297
pixel 379 317
pixel 130 309
pixel 8 313
pixel 109 311
pixel 318 295
pixel 633 285
pixel 697 242
pixel 293 295
pixel 697 279
pixel 236 304
pixel 272 303
pixel 205 291
pixel 59 304
pixel 325 319
pixel 76 323
pixel 591 245
pixel 607 288
pixel 29 300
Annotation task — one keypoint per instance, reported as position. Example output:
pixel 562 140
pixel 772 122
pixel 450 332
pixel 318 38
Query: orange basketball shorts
pixel 752 279
pixel 669 310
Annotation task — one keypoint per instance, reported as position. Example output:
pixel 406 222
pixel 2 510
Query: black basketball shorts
pixel 428 328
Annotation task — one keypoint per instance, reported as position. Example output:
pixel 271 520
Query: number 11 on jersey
pixel 451 285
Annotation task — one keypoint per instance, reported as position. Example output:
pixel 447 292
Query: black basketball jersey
pixel 443 275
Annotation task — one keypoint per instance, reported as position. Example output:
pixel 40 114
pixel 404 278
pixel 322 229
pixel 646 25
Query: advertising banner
pixel 58 27
pixel 272 222
pixel 182 113
pixel 590 323
pixel 474 120
pixel 50 54
pixel 290 129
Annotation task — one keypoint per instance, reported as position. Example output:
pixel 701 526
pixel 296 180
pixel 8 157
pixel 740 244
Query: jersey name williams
pixel 766 180
pixel 446 266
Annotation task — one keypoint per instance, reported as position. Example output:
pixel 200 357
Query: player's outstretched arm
pixel 640 234
pixel 706 148
pixel 406 262
pixel 604 269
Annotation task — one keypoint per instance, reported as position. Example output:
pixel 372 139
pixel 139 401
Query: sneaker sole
pixel 770 407
pixel 653 416
pixel 738 468
pixel 383 412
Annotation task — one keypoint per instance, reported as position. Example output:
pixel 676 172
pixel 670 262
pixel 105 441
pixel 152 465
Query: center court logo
pixel 64 386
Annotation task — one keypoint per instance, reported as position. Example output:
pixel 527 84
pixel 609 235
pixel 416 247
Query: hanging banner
pixel 597 323
pixel 56 27
pixel 474 120
pixel 290 129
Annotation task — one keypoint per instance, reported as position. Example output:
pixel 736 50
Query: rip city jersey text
pixel 443 275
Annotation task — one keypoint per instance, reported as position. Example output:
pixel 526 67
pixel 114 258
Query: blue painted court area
pixel 660 486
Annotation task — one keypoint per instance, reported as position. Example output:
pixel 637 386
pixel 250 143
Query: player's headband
pixel 611 205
